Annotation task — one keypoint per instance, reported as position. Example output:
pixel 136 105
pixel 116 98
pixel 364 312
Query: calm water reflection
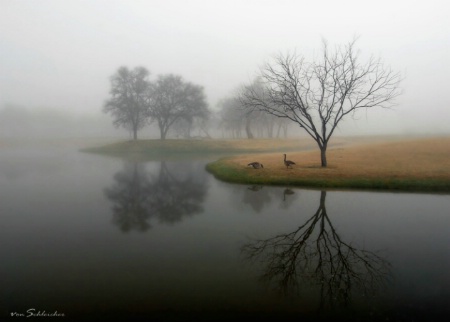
pixel 314 258
pixel 166 195
pixel 93 236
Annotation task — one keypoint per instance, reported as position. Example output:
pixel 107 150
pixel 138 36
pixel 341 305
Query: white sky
pixel 60 53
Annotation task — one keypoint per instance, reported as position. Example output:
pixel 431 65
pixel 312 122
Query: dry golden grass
pixel 426 160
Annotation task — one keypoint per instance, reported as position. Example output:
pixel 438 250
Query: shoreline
pixel 416 165
pixel 380 163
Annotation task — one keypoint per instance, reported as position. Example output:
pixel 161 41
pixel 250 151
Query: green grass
pixel 228 173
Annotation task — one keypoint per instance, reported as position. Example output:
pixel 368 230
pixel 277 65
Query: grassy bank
pixel 406 165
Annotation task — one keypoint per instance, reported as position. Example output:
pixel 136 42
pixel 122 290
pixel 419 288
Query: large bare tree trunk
pixel 323 153
pixel 323 156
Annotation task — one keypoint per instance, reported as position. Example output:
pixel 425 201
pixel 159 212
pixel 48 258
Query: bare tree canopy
pixel 136 101
pixel 318 95
pixel 173 100
pixel 129 96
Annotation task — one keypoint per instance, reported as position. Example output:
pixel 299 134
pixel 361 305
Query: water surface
pixel 87 235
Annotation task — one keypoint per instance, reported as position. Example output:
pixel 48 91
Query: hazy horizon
pixel 59 55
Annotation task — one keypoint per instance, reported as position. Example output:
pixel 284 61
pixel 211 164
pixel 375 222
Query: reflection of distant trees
pixel 315 255
pixel 138 196
pixel 129 196
pixel 172 198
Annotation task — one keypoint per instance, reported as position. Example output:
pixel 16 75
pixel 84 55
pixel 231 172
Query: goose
pixel 288 163
pixel 255 165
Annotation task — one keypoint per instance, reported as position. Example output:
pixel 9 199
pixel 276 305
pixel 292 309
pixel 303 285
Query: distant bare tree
pixel 203 125
pixel 172 99
pixel 282 126
pixel 184 127
pixel 235 118
pixel 129 98
pixel 231 118
pixel 251 117
pixel 319 95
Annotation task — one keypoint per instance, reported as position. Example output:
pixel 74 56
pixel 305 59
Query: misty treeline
pixel 316 95
pixel 180 107
pixel 169 101
pixel 237 122
pixel 313 95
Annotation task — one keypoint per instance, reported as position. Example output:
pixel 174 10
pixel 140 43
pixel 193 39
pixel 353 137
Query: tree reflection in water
pixel 314 255
pixel 138 196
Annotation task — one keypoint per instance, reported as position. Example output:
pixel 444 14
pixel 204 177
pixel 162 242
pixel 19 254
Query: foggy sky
pixel 60 54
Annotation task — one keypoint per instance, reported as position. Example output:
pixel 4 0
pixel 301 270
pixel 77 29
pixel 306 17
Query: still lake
pixel 85 235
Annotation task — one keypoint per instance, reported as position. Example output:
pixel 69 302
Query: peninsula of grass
pixel 420 165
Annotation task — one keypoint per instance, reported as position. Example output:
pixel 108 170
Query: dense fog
pixel 58 57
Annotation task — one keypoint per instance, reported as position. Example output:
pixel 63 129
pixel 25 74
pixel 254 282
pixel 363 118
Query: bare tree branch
pixel 320 94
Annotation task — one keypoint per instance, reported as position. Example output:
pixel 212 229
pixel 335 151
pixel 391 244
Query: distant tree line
pixel 180 107
pixel 135 102
pixel 316 95
pixel 237 122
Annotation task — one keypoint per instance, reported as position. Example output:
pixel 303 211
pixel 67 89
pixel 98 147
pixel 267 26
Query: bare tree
pixel 248 115
pixel 319 95
pixel 172 99
pixel 235 117
pixel 185 127
pixel 282 125
pixel 129 97
pixel 231 118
